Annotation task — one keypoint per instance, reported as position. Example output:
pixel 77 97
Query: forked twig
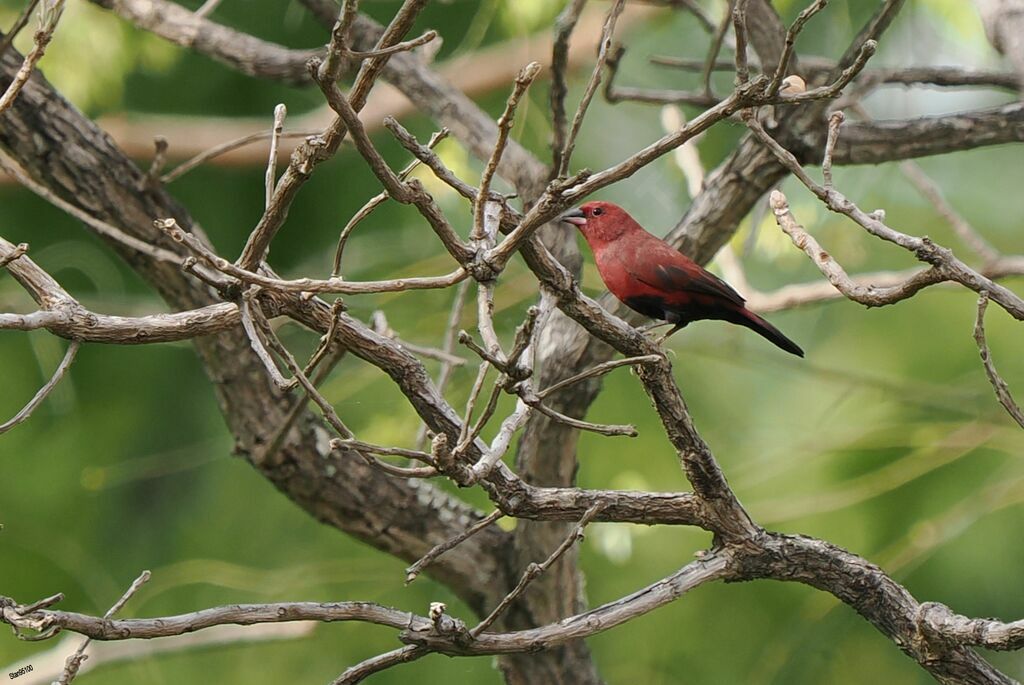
pixel 74 662
pixel 782 69
pixel 49 16
pixel 604 49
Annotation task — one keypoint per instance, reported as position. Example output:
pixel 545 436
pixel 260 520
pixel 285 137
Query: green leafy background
pixel 886 439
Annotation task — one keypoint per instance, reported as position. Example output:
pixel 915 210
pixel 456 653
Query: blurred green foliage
pixel 886 440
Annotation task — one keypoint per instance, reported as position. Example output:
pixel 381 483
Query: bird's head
pixel 600 222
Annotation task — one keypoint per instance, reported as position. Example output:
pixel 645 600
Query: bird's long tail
pixel 745 317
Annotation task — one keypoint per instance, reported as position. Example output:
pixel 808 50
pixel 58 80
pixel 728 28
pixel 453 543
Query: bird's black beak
pixel 575 216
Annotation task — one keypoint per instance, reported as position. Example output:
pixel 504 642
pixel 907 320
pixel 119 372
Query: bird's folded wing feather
pixel 665 269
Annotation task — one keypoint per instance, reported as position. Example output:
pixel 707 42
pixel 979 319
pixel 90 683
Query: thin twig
pixel 832 90
pixel 406 192
pixel 447 346
pixel 404 46
pixel 74 662
pixel 534 570
pixel 498 363
pixel 505 121
pixel 337 47
pixel 492 403
pixel 998 384
pixel 604 48
pixel 870 32
pixel 305 285
pixel 782 70
pixel 375 202
pixel 739 27
pixel 353 444
pixel 598 370
pixel 414 571
pixel 280 112
pixel 325 145
pixel 866 294
pixel 326 339
pixel 321 371
pixel 380 662
pixel 58 374
pixel 943 261
pixel 383 466
pixel 816 292
pixel 207 8
pixel 490 221
pixel 611 430
pixel 430 159
pixel 251 313
pixel 835 121
pixel 379 323
pixel 564 25
pixel 331 416
pixel 474 395
pixel 101 227
pixel 450 333
pixel 17 26
pixel 964 230
pixel 49 16
pixel 217 150
pixel 715 49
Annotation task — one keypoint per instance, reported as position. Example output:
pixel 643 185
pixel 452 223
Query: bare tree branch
pixel 238 50
pixel 74 662
pixel 998 384
pixel 58 374
pixel 924 249
pixel 17 26
pixel 343 481
pixel 50 16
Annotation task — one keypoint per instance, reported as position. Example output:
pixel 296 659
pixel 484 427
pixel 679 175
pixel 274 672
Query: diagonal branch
pixel 998 384
pixel 47 388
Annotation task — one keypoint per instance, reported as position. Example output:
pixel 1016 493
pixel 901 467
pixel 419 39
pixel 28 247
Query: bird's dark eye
pixel 598 211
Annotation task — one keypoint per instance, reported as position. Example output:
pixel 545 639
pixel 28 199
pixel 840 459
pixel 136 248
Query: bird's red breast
pixel 634 263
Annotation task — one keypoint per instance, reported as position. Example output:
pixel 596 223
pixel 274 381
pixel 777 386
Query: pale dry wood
pixel 940 258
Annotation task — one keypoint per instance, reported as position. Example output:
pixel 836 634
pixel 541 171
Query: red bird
pixel 651 277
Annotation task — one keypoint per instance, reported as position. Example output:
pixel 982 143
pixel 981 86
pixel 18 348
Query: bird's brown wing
pixel 669 271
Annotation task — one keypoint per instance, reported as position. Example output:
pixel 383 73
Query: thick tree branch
pixel 238 50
